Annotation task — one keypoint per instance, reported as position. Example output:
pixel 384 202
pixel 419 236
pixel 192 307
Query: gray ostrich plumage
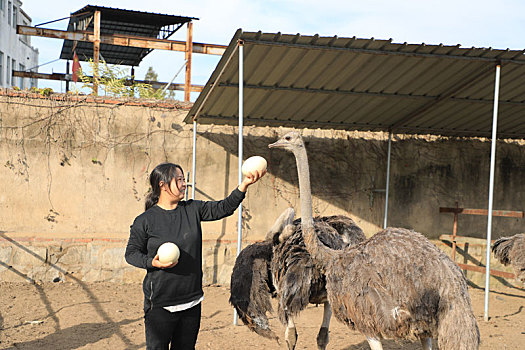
pixel 395 285
pixel 281 267
pixel 511 251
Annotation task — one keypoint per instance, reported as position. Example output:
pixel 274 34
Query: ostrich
pixel 395 285
pixel 511 250
pixel 281 267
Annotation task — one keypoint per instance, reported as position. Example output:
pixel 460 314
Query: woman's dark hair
pixel 164 172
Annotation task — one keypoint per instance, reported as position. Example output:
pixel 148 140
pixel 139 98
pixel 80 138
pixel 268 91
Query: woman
pixel 173 292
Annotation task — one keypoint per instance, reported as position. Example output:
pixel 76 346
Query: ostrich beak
pixel 276 144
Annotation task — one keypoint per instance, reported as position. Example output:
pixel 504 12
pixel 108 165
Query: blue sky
pixel 497 24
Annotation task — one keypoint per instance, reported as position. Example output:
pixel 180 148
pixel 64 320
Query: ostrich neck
pixel 305 191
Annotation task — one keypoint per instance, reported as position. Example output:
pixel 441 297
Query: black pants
pixel 180 329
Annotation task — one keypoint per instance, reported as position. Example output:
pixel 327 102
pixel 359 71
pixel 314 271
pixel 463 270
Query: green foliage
pixel 113 80
pixel 151 75
pixel 44 92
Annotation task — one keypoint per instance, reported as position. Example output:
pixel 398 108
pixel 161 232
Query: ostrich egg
pixel 168 253
pixel 252 164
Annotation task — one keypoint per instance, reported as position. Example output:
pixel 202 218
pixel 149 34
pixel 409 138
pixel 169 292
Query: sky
pixel 480 23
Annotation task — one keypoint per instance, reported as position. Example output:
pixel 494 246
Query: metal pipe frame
pixel 217 119
pixel 69 77
pixel 429 98
pixel 387 190
pixel 96 51
pixel 496 60
pixel 194 160
pixel 491 188
pixel 123 40
pixel 189 48
pixel 241 112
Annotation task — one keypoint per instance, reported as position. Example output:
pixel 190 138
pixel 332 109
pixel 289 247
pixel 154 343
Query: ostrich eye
pixel 287 138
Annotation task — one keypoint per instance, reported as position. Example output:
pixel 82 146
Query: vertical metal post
pixel 189 49
pixel 387 191
pixel 194 159
pixel 239 220
pixel 187 179
pixel 454 232
pixel 96 51
pixel 491 188
pixel 67 73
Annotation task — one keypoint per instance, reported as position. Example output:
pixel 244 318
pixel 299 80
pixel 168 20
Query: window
pixel 25 38
pixel 8 71
pixel 1 65
pixel 13 67
pixel 15 14
pixel 9 9
pixel 2 5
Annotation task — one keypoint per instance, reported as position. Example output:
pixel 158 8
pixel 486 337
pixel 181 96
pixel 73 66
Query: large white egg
pixel 252 164
pixel 168 253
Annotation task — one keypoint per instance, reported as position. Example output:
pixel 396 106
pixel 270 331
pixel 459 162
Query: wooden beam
pixel 189 48
pixel 96 51
pixel 464 239
pixel 485 212
pixel 482 269
pixel 68 77
pixel 123 40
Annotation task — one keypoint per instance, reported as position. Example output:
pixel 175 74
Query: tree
pixel 151 75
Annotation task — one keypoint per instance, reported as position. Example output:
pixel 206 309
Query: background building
pixel 16 52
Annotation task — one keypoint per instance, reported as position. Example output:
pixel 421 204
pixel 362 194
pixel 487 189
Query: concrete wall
pixel 75 172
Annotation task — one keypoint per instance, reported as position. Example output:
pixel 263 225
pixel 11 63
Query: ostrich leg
pixel 375 344
pixel 322 337
pixel 427 343
pixel 290 334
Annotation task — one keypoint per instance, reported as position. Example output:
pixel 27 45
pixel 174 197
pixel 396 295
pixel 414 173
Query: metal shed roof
pixel 118 21
pixel 365 84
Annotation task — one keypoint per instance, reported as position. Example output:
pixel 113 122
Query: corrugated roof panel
pixel 118 21
pixel 513 117
pixel 365 84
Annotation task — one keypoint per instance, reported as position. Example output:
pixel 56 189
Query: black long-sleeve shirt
pixel 182 226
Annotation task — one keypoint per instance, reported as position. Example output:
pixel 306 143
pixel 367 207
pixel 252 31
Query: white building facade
pixel 16 52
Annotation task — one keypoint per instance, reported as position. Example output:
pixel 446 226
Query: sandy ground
pixel 109 316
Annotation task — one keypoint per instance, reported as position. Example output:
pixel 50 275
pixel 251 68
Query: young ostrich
pixel 511 250
pixel 281 267
pixel 395 285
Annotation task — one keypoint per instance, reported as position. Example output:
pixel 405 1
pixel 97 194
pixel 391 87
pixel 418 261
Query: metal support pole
pixel 189 49
pixel 387 191
pixel 239 220
pixel 455 232
pixel 194 159
pixel 491 189
pixel 67 73
pixel 96 51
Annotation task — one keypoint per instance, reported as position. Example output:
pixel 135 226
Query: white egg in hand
pixel 252 164
pixel 168 253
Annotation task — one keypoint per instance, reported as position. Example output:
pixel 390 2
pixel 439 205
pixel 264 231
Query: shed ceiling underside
pixel 365 84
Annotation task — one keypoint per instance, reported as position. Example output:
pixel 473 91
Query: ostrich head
pixel 292 141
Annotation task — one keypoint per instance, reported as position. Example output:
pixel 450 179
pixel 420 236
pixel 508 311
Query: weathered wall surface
pixel 75 171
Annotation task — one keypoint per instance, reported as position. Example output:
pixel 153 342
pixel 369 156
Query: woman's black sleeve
pixel 137 248
pixel 215 210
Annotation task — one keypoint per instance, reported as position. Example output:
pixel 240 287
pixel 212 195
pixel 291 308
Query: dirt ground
pixel 109 316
